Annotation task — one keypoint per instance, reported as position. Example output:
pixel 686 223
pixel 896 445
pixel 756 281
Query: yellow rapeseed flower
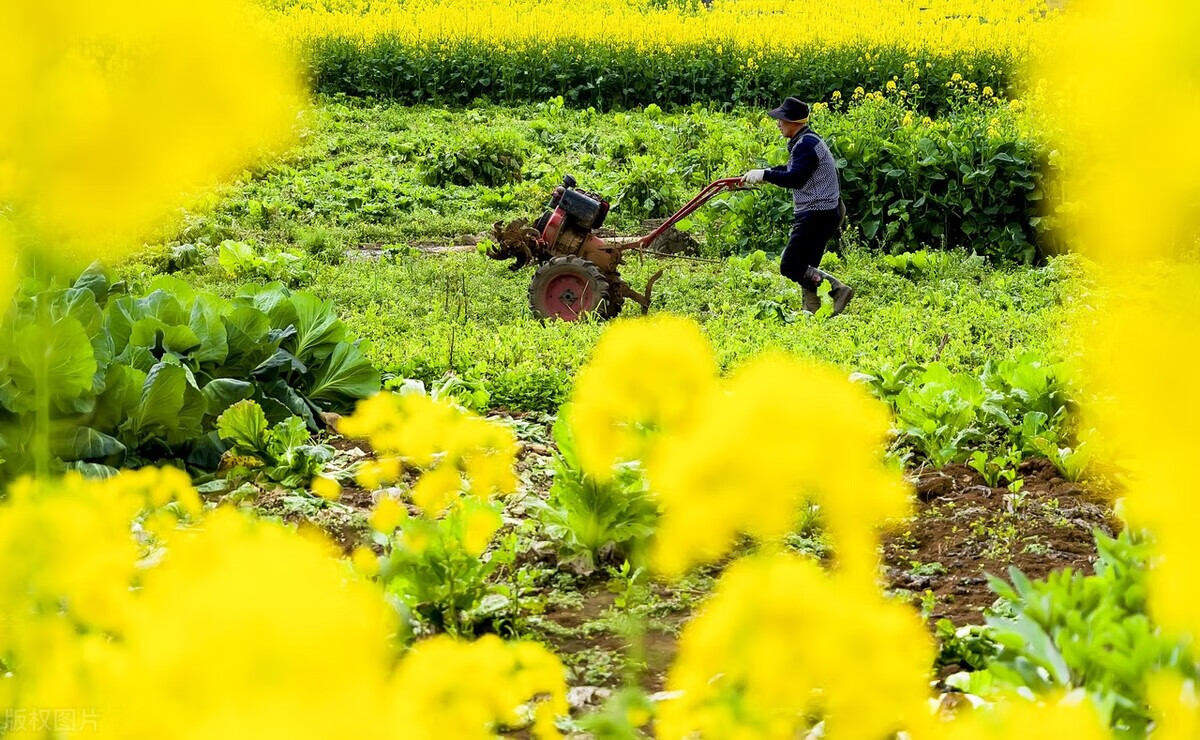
pixel 480 523
pixel 365 561
pixel 114 113
pixel 1148 413
pixel 436 489
pixel 433 700
pixel 1015 28
pixel 1177 708
pixel 644 376
pixel 1018 717
pixel 443 439
pixel 326 487
pixel 229 587
pixel 387 515
pixel 202 646
pixel 372 474
pixel 780 640
pixel 732 470
pixel 712 451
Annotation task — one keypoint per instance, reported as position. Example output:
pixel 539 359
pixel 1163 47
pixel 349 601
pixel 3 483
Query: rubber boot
pixel 839 292
pixel 812 301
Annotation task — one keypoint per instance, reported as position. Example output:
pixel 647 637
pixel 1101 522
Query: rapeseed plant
pixel 114 115
pixel 759 27
pixel 781 640
pixel 736 456
pixel 433 562
pixel 227 626
pixel 450 446
pixel 1141 352
pixel 644 377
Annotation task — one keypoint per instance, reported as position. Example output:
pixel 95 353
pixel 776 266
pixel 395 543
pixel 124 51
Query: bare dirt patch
pixel 965 530
pixel 597 650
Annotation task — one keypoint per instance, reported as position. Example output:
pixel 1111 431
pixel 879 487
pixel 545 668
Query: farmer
pixel 816 200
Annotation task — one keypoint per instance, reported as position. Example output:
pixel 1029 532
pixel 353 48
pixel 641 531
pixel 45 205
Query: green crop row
pixel 387 175
pixel 101 377
pixel 973 179
pixel 611 76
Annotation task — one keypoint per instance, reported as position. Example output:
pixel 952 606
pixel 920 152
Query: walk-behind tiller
pixel 577 271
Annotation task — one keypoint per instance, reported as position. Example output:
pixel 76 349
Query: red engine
pixel 566 228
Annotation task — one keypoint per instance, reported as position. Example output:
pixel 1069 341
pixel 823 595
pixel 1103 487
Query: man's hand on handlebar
pixel 753 177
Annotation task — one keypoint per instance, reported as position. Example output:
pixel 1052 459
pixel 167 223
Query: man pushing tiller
pixel 816 200
pixel 577 271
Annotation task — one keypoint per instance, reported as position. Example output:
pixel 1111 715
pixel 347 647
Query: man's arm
pixel 800 167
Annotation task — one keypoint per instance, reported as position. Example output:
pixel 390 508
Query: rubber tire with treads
pixel 613 304
pixel 563 271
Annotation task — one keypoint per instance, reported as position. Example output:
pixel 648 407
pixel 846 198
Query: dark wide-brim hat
pixel 793 110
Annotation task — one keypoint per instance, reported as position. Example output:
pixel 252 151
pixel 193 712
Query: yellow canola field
pixel 939 27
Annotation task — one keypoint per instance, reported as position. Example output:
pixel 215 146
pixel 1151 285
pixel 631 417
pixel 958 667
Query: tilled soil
pixel 585 633
pixel 965 530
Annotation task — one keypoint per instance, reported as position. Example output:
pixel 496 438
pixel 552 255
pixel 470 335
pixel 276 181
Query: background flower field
pixel 617 54
pixel 284 453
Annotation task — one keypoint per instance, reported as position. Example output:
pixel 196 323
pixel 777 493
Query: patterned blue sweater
pixel 811 173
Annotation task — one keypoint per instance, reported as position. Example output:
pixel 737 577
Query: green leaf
pixel 165 307
pixel 137 357
pixel 122 393
pixel 180 289
pixel 300 463
pixel 244 425
pixel 95 281
pixel 206 451
pixel 273 299
pixel 85 443
pixel 289 433
pixel 317 328
pixel 80 304
pixel 170 407
pixel 205 323
pixel 279 400
pixel 153 333
pixel 246 330
pixel 57 360
pixel 222 393
pixel 280 363
pixel 236 257
pixel 93 471
pixel 346 377
pixel 118 321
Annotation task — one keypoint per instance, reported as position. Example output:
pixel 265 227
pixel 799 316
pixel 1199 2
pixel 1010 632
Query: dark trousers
pixel 811 232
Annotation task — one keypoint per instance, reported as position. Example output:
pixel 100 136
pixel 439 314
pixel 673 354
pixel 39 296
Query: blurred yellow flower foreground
pixel 193 625
pixel 229 627
pixel 114 113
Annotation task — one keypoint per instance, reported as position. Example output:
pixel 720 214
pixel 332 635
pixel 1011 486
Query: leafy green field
pixel 390 175
pixel 340 214
pixel 309 410
pixel 428 314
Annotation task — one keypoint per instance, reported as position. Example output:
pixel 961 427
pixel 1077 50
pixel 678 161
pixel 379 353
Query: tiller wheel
pixel 567 288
